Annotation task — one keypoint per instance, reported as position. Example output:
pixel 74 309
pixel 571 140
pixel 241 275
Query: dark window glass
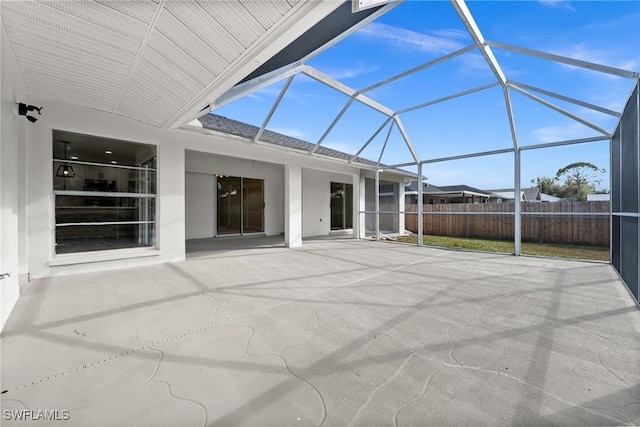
pixel 104 193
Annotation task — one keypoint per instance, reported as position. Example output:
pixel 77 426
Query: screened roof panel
pixel 307 109
pixel 344 136
pixel 538 124
pixel 394 44
pixel 253 108
pixel 533 66
pixel 459 126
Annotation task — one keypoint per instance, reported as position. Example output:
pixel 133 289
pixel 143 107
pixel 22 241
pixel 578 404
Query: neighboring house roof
pixel 446 190
pixel 549 198
pixel 464 189
pixel 412 188
pixel 531 194
pixel 245 130
pixel 598 197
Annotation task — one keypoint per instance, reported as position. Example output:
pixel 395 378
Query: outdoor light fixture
pixel 65 170
pixel 23 109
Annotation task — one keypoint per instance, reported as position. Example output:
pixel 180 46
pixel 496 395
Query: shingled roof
pixel 245 130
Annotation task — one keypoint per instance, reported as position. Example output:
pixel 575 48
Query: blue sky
pixel 416 32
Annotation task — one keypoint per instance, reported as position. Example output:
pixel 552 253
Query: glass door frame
pixel 241 208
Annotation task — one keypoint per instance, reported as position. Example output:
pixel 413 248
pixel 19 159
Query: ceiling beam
pixel 251 86
pixel 565 98
pixel 470 24
pixel 405 136
pixel 376 133
pixel 564 60
pixel 141 48
pixel 419 68
pixel 273 109
pixel 332 125
pixel 346 90
pixel 447 98
pixel 560 110
pixel 384 146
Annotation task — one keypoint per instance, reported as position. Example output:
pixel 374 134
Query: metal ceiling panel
pixel 147 60
pixel 237 20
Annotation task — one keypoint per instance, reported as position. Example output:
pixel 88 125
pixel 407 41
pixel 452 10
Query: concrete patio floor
pixel 335 333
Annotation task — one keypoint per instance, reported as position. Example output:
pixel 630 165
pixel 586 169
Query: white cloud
pixel 564 4
pixel 410 39
pixel 354 70
pixel 561 133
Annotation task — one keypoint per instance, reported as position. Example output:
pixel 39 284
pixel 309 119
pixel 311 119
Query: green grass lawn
pixel 596 253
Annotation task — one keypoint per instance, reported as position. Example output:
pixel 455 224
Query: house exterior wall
pixel 192 150
pixel 200 194
pixel 12 178
pixel 316 200
pixel 170 220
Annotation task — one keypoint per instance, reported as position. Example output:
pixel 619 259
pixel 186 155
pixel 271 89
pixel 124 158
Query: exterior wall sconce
pixel 65 170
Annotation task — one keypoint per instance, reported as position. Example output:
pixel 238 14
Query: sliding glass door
pixel 341 206
pixel 240 205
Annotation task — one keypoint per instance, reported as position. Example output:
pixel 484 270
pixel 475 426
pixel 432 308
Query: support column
pixel 377 204
pixel 292 206
pixel 359 229
pixel 517 232
pixel 401 208
pixel 420 205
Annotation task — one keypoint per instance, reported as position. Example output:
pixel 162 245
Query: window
pixel 105 193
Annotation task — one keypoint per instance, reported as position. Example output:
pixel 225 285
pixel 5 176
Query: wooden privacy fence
pixel 561 222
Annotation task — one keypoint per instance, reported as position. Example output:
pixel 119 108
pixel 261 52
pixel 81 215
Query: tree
pixel 580 178
pixel 550 186
pixel 573 181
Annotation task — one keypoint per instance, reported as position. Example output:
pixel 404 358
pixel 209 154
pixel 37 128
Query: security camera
pixel 23 109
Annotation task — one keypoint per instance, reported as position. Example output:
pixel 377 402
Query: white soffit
pixel 158 62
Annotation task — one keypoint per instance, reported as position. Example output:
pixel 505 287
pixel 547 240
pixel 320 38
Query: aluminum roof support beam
pixel 256 84
pixel 419 68
pixel 469 156
pixel 384 146
pixel 560 110
pixel 447 98
pixel 564 60
pixel 332 125
pixel 376 133
pixel 403 132
pixel 470 24
pixel 567 142
pixel 346 90
pixel 568 99
pixel 273 109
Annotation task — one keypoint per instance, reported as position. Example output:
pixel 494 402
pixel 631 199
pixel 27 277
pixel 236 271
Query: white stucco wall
pixel 200 207
pixel 200 210
pixel 11 180
pixel 316 200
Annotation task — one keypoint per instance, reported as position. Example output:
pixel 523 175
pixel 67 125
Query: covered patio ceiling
pixel 161 62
